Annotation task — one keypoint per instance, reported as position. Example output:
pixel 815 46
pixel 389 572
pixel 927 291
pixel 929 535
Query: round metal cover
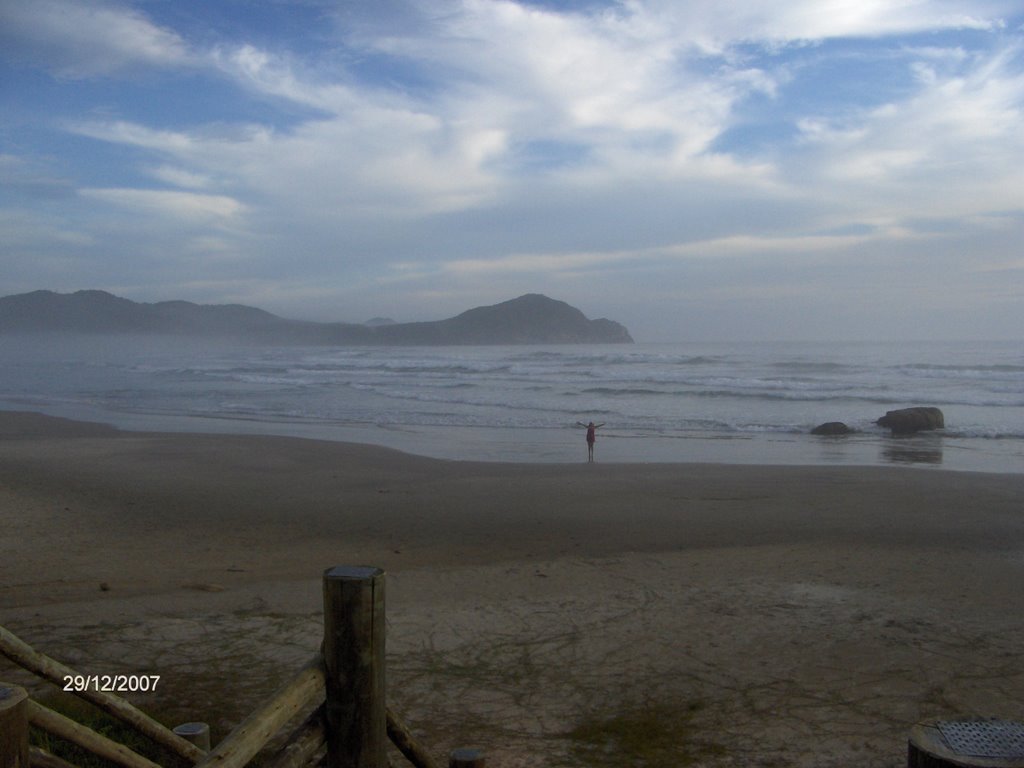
pixel 984 738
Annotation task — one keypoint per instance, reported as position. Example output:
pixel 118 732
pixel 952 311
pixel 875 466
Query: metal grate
pixel 984 738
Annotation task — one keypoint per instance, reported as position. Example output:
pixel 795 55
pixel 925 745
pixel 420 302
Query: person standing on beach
pixel 591 438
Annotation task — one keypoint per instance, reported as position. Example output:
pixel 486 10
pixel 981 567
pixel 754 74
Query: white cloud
pixel 535 263
pixel 620 86
pixel 601 81
pixel 275 75
pixel 181 177
pixel 951 148
pixel 546 265
pixel 133 134
pixel 374 163
pixel 176 205
pixel 714 27
pixel 86 39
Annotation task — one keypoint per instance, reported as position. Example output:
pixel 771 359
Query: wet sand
pixel 751 615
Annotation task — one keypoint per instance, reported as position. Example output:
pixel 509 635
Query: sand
pixel 604 614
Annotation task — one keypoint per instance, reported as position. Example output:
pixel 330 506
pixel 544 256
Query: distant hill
pixel 529 319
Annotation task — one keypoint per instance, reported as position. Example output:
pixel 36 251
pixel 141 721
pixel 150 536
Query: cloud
pixel 456 147
pixel 729 247
pixel 136 135
pixel 945 149
pixel 532 263
pixel 34 232
pixel 715 28
pixel 619 94
pixel 181 177
pixel 174 205
pixel 81 40
pixel 605 81
pixel 517 82
pixel 284 77
pixel 28 180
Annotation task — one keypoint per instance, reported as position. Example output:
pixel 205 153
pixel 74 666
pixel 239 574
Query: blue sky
pixel 809 169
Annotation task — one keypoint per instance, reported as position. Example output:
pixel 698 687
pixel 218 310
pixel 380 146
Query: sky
pixel 699 170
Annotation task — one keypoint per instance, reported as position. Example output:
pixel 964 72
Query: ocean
pixel 694 402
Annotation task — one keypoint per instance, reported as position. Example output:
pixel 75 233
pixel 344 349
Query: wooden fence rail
pixel 301 695
pixel 340 694
pixel 21 653
pixel 65 728
pixel 304 746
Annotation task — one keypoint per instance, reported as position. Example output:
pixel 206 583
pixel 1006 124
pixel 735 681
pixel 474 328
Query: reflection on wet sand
pixel 912 449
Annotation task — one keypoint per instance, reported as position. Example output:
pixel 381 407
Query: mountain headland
pixel 529 319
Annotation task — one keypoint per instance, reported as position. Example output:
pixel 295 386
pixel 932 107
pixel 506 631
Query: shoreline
pixel 791 615
pixel 529 445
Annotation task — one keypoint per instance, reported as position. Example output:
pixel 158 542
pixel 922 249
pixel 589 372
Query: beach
pixel 733 614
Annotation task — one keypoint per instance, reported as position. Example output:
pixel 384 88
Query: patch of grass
pixel 646 736
pixel 85 714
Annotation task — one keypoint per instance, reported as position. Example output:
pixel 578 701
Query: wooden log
pixel 22 654
pixel 467 757
pixel 304 746
pixel 40 758
pixel 402 738
pixel 354 664
pixel 67 729
pixel 13 726
pixel 301 694
pixel 195 733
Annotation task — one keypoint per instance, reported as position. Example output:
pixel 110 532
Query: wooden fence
pixel 338 695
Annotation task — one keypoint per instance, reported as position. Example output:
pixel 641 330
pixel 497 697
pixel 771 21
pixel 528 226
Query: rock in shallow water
pixel 831 428
pixel 906 421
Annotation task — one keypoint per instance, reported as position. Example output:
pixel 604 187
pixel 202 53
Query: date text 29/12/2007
pixel 111 683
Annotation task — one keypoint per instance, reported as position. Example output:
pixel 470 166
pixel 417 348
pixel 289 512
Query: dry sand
pixel 552 614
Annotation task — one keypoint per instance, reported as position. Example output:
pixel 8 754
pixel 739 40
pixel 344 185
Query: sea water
pixel 694 402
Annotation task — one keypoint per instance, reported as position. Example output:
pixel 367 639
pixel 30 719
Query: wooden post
pixel 968 743
pixel 13 727
pixel 356 721
pixel 196 733
pixel 467 757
